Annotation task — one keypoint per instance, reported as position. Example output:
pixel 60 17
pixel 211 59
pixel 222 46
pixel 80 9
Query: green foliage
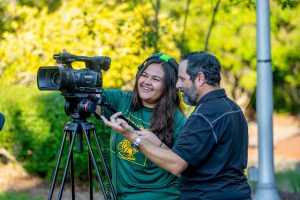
pixel 34 130
pixel 126 32
pixel 233 40
pixel 286 61
pixel 288 3
pixel 51 4
pixel 32 31
pixel 16 196
pixel 118 31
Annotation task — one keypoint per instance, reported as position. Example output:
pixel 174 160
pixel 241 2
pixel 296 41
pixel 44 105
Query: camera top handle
pixel 95 63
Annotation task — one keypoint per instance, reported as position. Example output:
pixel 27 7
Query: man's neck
pixel 206 89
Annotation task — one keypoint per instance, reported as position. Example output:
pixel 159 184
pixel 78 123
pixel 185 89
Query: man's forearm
pixel 163 157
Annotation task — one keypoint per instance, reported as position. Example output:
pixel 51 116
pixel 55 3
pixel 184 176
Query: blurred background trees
pixel 128 31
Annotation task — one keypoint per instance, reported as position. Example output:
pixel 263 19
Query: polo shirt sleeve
pixel 196 140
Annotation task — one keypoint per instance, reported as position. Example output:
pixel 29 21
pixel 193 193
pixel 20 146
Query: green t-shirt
pixel 134 176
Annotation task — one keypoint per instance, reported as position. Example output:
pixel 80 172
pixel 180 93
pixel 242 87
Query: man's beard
pixel 190 95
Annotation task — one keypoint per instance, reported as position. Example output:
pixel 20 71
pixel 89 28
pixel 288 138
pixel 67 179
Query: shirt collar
pixel 219 93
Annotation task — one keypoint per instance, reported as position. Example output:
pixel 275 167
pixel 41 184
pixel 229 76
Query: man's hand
pixel 121 126
pixel 151 137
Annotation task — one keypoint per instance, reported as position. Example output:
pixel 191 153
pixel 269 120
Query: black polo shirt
pixel 214 141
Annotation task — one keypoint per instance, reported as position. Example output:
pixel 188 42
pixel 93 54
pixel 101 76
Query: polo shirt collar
pixel 219 93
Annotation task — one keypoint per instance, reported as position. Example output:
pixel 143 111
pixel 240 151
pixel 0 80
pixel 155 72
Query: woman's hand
pixel 120 126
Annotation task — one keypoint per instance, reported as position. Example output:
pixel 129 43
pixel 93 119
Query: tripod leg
pixel 72 171
pixel 104 165
pixel 67 165
pixel 57 166
pixel 90 170
pixel 95 165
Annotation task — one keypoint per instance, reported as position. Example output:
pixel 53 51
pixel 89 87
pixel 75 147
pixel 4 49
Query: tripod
pixel 77 127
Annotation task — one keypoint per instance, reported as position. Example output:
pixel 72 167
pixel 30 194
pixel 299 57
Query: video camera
pixel 77 86
pixel 68 80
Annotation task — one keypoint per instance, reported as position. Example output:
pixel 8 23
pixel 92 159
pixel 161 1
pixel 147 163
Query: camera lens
pixel 50 77
pixel 56 80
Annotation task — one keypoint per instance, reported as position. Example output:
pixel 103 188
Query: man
pixel 210 153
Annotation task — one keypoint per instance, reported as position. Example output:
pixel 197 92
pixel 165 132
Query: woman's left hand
pixel 119 125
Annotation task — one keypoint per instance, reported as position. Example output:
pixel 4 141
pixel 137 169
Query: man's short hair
pixel 204 62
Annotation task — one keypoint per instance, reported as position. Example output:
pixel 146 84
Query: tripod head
pixel 81 106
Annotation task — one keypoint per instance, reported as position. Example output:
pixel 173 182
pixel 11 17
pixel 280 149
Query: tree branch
pixel 212 24
pixel 157 7
pixel 184 25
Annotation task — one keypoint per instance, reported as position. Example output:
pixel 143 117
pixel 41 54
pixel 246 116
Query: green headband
pixel 165 58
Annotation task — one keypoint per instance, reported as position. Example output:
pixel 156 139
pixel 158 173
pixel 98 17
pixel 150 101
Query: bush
pixel 34 129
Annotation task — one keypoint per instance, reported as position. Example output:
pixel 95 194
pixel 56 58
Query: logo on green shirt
pixel 126 151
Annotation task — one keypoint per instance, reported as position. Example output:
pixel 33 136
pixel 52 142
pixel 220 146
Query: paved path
pixel 286 140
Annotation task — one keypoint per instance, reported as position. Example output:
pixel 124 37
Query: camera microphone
pixel 2 120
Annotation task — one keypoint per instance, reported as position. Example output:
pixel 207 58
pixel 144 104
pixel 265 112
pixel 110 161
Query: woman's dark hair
pixel 201 61
pixel 162 120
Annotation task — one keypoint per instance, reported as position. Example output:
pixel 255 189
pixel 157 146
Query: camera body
pixel 77 86
pixel 68 80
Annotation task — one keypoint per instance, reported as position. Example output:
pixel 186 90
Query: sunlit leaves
pixel 126 32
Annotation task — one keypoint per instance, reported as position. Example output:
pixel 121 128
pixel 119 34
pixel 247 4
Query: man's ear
pixel 200 78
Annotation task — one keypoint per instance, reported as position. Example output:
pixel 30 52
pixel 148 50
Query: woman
pixel 152 105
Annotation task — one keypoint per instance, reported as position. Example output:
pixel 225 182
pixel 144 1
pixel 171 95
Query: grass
pixel 288 181
pixel 287 184
pixel 17 196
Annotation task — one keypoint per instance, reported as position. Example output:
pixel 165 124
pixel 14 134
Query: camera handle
pixel 112 109
pixel 90 106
